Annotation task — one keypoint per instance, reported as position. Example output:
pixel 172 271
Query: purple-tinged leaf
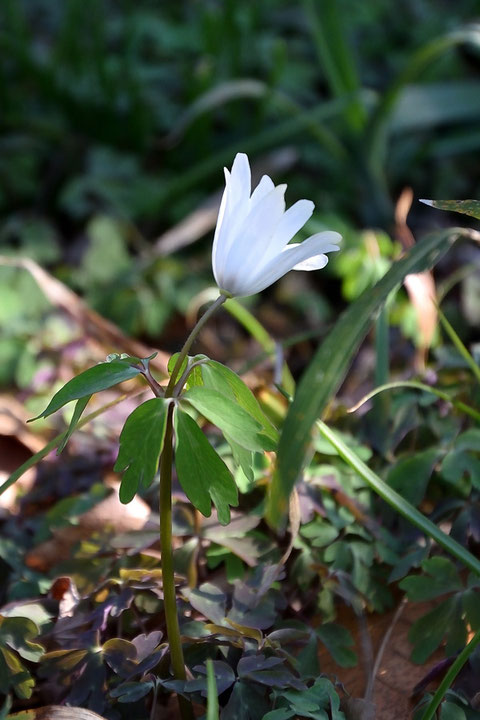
pixel 209 600
pixel 130 692
pixel 146 644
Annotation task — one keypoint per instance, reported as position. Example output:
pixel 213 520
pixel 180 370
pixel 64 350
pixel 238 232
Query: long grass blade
pixel 330 364
pixel 398 503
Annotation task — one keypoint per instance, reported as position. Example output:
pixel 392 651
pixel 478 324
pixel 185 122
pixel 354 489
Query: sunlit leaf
pixel 229 417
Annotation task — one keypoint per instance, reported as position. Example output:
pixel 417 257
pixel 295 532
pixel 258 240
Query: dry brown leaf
pixel 420 286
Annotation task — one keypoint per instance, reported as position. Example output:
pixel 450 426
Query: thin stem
pixel 450 676
pixel 168 577
pixel 189 342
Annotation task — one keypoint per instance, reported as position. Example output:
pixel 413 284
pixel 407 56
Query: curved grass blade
pixel 450 676
pixel 330 364
pixel 462 407
pixel 398 503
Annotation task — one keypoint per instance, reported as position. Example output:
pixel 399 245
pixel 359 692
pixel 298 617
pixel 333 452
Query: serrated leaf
pixel 440 577
pixel 203 475
pixel 80 406
pixel 329 366
pixel 229 417
pixel 466 207
pixel 95 379
pixel 218 377
pixel 338 642
pixel 141 443
pixel 427 632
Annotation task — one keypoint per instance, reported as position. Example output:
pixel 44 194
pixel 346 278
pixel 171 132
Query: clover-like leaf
pixel 141 443
pixel 129 692
pixel 18 633
pixel 202 473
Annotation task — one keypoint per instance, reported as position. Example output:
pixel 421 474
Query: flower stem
pixel 168 577
pixel 189 342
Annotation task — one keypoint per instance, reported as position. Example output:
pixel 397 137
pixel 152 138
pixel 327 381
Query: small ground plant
pixel 237 645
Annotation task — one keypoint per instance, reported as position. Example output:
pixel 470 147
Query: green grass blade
pixel 450 676
pixel 327 26
pixel 459 345
pixel 428 53
pixel 258 332
pixel 330 364
pixel 462 407
pixel 398 503
pixel 212 694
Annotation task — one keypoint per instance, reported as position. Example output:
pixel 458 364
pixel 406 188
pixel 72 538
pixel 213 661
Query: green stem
pixel 189 342
pixel 166 465
pixel 450 676
pixel 168 576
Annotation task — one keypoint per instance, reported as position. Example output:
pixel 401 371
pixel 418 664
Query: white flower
pixel 250 248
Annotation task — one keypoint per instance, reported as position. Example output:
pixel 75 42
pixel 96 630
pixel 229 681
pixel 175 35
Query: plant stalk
pixel 168 576
pixel 189 342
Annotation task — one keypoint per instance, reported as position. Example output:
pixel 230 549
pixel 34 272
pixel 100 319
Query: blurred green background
pixel 117 117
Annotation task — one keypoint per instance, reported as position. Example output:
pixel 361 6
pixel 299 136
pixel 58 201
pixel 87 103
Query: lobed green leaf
pixel 230 417
pixel 141 443
pixel 202 473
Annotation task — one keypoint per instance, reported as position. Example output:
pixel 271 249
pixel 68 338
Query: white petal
pixel 264 187
pixel 291 222
pixel 250 248
pixel 217 248
pixel 292 256
pixel 233 210
pixel 317 262
pixel 240 179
